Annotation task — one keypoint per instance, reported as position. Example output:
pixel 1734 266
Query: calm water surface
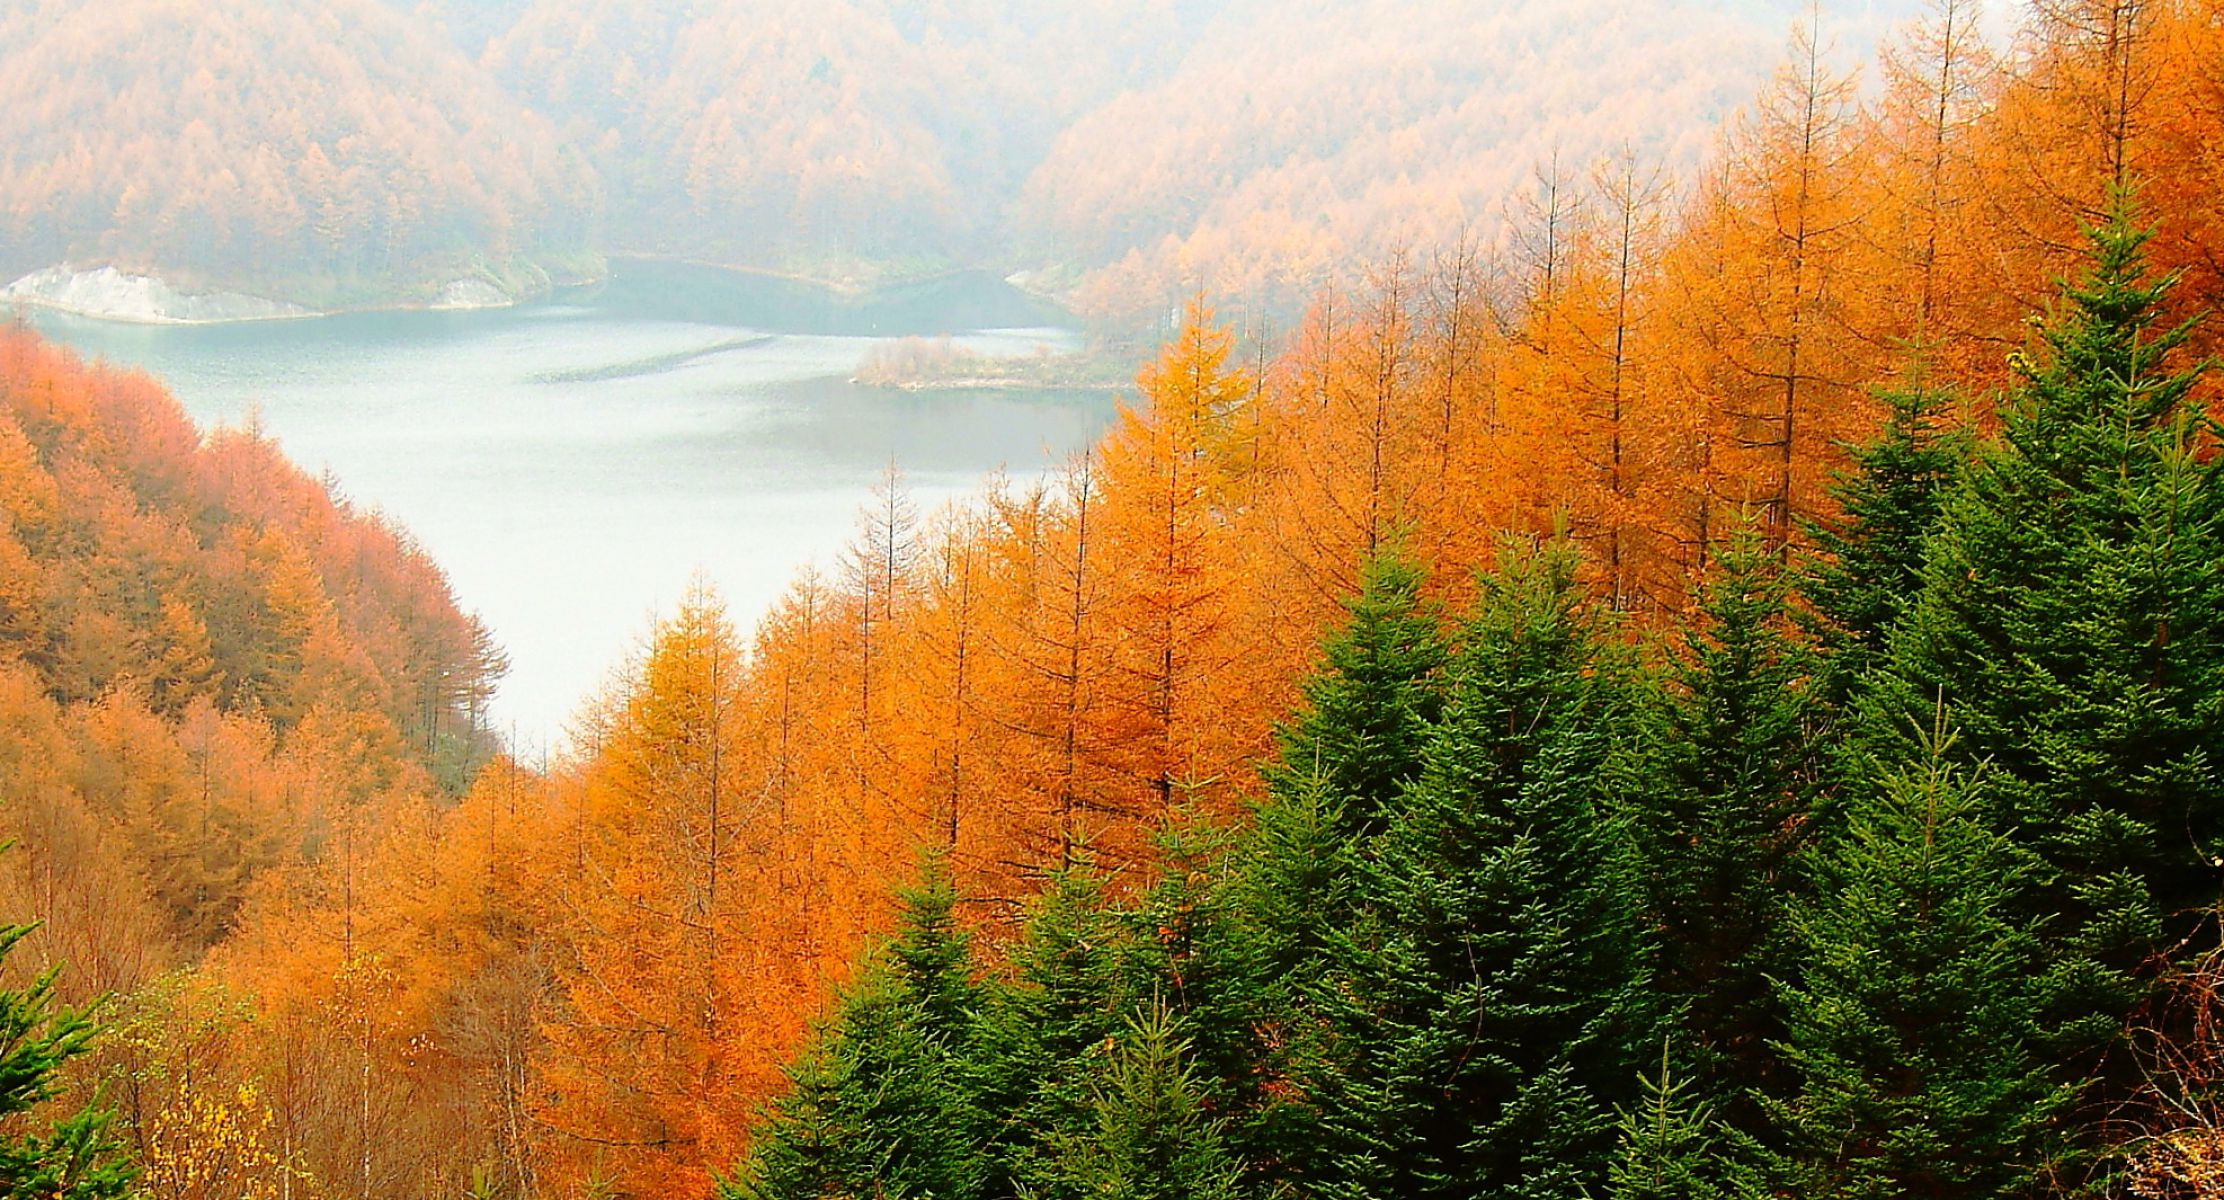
pixel 573 462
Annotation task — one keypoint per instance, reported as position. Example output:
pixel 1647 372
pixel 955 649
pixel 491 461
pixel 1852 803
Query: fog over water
pixel 573 462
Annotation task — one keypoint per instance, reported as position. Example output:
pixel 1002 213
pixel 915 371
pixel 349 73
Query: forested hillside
pixel 211 666
pixel 1361 129
pixel 1124 153
pixel 828 136
pixel 1716 703
pixel 321 155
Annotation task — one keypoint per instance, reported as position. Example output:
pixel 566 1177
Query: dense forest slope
pixel 209 661
pixel 1289 144
pixel 824 135
pixel 322 155
pixel 1125 152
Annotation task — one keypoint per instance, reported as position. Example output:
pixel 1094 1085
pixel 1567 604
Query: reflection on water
pixel 572 462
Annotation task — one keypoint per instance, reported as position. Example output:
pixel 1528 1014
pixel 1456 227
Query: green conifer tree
pixel 1867 565
pixel 1734 774
pixel 75 1159
pixel 2072 618
pixel 1283 928
pixel 1367 714
pixel 1913 1013
pixel 884 1103
pixel 1493 1004
pixel 1046 1035
pixel 1147 1135
pixel 1288 894
pixel 1178 945
pixel 1669 1143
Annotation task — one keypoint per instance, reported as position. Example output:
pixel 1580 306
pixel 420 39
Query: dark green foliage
pixel 1733 777
pixel 1045 1036
pixel 76 1159
pixel 1868 563
pixel 1494 1004
pixel 1284 920
pixel 1368 714
pixel 932 955
pixel 1289 895
pixel 2070 618
pixel 1179 947
pixel 1913 1014
pixel 884 1104
pixel 1146 1134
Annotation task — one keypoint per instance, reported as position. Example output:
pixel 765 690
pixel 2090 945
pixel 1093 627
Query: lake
pixel 575 461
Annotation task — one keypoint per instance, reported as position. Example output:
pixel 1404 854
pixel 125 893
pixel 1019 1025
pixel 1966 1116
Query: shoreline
pixel 847 289
pixel 278 310
pixel 994 384
pixel 16 306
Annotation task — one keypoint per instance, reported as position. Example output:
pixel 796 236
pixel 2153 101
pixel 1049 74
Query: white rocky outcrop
pixel 116 296
pixel 472 293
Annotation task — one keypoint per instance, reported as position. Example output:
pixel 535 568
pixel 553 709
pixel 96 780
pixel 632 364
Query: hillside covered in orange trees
pixel 362 959
pixel 214 668
pixel 324 155
pixel 369 151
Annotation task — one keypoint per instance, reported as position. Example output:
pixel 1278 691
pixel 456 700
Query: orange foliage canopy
pixel 327 154
pixel 213 674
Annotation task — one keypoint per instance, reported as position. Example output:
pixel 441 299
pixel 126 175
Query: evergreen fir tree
pixel 1913 1015
pixel 1046 1034
pixel 932 955
pixel 1178 944
pixel 1367 714
pixel 1365 721
pixel 1494 1007
pixel 1867 565
pixel 1242 946
pixel 1734 776
pixel 1239 928
pixel 2070 617
pixel 75 1159
pixel 1284 923
pixel 1147 1135
pixel 884 1103
pixel 1668 1143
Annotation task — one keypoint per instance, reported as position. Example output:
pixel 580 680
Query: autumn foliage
pixel 235 699
pixel 329 156
pixel 373 150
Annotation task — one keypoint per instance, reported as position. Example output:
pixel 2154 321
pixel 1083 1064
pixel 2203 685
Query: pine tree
pixel 1177 946
pixel 933 955
pixel 1045 1036
pixel 76 1159
pixel 1368 712
pixel 1734 777
pixel 1244 943
pixel 1288 892
pixel 1495 1006
pixel 883 1104
pixel 2071 613
pixel 1668 1143
pixel 1913 1014
pixel 1867 565
pixel 1288 900
pixel 1147 1135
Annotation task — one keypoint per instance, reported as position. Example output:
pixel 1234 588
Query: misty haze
pixel 1172 600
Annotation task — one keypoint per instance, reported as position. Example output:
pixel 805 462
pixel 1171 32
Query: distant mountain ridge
pixel 362 151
